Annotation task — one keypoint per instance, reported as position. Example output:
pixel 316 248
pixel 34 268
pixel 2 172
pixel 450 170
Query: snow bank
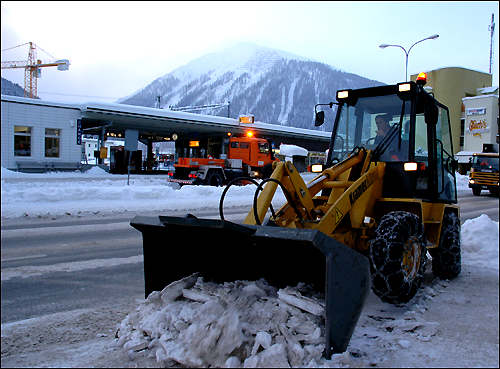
pixel 98 191
pixel 92 172
pixel 480 241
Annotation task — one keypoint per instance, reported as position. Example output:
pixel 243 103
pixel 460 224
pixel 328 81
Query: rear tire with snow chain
pixel 397 257
pixel 214 178
pixel 447 258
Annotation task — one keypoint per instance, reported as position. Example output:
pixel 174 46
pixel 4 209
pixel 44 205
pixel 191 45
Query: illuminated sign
pixel 476 111
pixel 194 143
pixel 246 119
pixel 478 127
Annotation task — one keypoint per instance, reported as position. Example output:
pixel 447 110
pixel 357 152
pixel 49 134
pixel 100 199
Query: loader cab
pixel 417 147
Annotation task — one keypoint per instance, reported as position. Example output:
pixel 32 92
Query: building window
pixel 22 141
pixel 498 130
pixel 462 131
pixel 52 142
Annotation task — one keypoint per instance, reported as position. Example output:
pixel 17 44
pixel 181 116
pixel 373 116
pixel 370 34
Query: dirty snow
pixel 196 323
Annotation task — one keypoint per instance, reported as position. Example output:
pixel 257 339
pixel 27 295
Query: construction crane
pixel 32 68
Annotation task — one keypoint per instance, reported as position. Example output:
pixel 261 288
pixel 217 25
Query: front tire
pixel 476 191
pixel 447 258
pixel 397 257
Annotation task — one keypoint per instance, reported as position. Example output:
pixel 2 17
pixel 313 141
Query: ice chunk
pixel 174 289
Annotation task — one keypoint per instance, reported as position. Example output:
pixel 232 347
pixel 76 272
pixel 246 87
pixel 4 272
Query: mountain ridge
pixel 275 86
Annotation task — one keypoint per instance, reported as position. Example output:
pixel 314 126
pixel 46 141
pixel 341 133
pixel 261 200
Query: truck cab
pixel 484 173
pixel 255 152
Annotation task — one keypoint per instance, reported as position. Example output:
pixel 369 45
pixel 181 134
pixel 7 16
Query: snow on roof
pixel 114 108
pixel 488 90
pixel 292 150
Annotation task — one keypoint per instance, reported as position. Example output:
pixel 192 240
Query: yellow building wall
pixel 450 86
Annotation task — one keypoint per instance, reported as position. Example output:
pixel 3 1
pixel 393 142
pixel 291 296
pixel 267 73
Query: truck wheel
pixel 267 171
pixel 214 178
pixel 446 258
pixel 476 191
pixel 397 257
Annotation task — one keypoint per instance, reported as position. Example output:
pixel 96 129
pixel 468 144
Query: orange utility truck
pixel 248 156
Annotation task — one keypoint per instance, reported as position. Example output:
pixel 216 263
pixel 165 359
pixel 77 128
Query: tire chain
pixel 447 259
pixel 386 250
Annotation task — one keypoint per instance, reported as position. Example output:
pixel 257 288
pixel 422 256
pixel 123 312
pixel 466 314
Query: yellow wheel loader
pixel 367 220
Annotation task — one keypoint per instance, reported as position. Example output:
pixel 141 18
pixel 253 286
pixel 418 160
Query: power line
pixel 95 97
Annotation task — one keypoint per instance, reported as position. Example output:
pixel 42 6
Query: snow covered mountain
pixel 12 89
pixel 275 86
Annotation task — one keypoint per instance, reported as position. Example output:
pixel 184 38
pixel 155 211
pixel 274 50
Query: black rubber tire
pixel 397 257
pixel 214 178
pixel 476 191
pixel 447 258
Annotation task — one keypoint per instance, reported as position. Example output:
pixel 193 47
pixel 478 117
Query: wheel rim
pixel 411 259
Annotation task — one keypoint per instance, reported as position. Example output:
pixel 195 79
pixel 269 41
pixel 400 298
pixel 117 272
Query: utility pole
pixel 158 99
pixel 491 28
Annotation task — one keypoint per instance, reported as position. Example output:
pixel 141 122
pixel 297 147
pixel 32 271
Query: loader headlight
pixel 410 167
pixel 342 95
pixel 404 87
pixel 471 181
pixel 317 168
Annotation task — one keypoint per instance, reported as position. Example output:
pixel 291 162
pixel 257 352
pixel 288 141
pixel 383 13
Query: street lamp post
pixel 383 46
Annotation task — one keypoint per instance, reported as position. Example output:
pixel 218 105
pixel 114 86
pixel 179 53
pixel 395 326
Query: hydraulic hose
pixel 283 188
pixel 221 202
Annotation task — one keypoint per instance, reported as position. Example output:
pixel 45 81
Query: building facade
pixel 450 86
pixel 38 132
pixel 40 135
pixel 481 125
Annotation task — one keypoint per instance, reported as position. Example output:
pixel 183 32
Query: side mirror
pixel 320 118
pixel 431 114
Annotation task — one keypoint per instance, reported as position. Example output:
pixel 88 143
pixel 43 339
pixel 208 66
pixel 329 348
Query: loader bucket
pixel 222 251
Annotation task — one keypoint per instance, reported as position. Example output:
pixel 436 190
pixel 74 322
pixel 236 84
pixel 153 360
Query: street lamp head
pixel 433 37
pixel 383 46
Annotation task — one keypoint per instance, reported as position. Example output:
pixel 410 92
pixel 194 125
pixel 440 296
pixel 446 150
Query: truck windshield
pixel 485 162
pixel 264 147
pixel 371 120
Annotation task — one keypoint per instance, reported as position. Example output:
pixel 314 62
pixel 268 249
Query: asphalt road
pixel 51 266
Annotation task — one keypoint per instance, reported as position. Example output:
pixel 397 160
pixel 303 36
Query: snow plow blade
pixel 222 251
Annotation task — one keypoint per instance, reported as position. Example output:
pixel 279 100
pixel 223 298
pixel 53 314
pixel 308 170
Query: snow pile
pixel 292 150
pixel 238 324
pixel 478 236
pixel 462 181
pixel 251 324
pixel 91 173
pixel 96 191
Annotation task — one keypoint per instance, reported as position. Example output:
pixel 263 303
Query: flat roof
pixel 120 117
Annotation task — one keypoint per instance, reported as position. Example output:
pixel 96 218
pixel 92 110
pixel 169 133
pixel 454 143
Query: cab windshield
pixel 485 162
pixel 379 121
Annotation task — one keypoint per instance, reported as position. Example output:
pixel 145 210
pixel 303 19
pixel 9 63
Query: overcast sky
pixel 116 48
